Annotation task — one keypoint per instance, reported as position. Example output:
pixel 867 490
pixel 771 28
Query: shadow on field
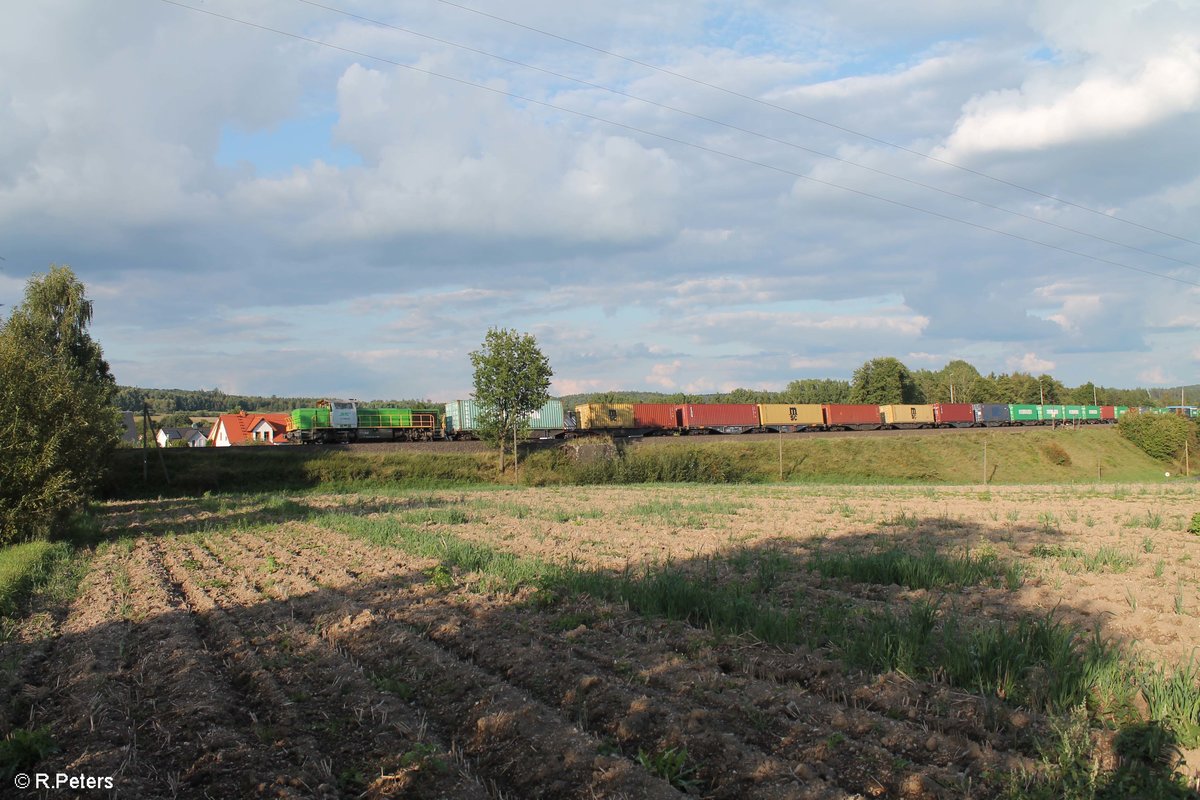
pixel 234 692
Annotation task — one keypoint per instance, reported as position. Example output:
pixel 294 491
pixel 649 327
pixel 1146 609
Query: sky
pixel 340 198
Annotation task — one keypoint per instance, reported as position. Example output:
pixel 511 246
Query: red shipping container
pixel 656 415
pixel 836 414
pixel 720 415
pixel 1108 412
pixel 946 413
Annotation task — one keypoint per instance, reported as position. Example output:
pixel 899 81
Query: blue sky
pixel 271 216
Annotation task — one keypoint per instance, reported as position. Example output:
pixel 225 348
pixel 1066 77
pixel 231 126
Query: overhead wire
pixel 676 140
pixel 749 132
pixel 818 120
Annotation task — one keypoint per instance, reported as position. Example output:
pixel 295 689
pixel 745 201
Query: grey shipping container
pixel 462 418
pixel 992 413
pixel 547 418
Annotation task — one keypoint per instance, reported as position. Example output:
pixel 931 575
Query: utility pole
pixel 952 393
pixel 781 454
pixel 985 475
pixel 1094 401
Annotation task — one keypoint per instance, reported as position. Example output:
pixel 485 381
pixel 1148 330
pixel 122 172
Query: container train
pixel 648 419
pixel 347 421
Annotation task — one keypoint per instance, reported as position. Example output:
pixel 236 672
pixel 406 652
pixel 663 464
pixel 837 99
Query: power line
pixel 810 118
pixel 749 132
pixel 675 140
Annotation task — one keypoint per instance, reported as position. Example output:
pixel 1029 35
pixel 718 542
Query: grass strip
pixel 924 570
pixel 500 570
pixel 23 567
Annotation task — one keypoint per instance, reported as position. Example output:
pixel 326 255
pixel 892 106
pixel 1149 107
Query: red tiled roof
pixel 238 426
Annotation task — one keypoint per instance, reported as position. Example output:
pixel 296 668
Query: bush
pixel 1161 436
pixel 1055 453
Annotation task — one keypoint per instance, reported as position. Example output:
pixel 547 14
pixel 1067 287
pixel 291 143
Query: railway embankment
pixel 975 456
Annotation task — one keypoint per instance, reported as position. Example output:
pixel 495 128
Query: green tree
pixel 816 390
pixel 883 381
pixel 512 378
pixel 1160 435
pixel 59 423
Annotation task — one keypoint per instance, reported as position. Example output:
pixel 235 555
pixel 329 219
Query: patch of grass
pixel 1173 697
pixel 1055 551
pixel 925 570
pixel 1194 525
pixel 23 567
pixel 1105 559
pixel 672 765
pixel 690 515
pixel 1148 766
pixel 434 516
pixel 441 578
pixel 498 570
pixel 22 749
pixel 425 755
pixel 1108 559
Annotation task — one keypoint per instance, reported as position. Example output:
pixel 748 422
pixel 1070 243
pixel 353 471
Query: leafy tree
pixel 883 381
pixel 178 419
pixel 512 378
pixel 1160 435
pixel 816 390
pixel 59 424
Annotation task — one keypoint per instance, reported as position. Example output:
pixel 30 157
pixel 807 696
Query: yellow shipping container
pixel 907 415
pixel 782 414
pixel 596 416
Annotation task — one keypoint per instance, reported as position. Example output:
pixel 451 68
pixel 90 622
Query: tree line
pixel 215 401
pixel 885 381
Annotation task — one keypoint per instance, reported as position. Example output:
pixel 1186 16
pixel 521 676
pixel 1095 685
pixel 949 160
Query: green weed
pixel 926 570
pixel 672 765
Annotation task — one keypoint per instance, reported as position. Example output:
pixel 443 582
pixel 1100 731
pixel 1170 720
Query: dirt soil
pixel 244 648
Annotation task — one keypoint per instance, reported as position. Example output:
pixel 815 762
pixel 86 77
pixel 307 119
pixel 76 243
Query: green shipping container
pixel 1121 411
pixel 462 416
pixel 547 418
pixel 1091 412
pixel 1054 413
pixel 1074 412
pixel 1024 413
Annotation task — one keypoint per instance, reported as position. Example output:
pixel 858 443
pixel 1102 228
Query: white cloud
pixel 1030 363
pixel 1155 376
pixel 663 375
pixel 799 362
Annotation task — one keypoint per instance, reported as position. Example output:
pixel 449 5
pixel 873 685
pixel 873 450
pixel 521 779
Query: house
pixel 189 436
pixel 243 428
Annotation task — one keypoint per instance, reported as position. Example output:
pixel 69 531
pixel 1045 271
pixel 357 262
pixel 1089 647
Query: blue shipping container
pixel 992 413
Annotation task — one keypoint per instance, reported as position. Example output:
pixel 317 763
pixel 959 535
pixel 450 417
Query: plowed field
pixel 428 645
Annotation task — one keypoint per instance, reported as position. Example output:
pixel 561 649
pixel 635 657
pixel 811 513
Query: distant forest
pixel 915 386
pixel 214 401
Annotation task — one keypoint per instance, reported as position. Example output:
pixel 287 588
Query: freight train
pixel 649 419
pixel 347 421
